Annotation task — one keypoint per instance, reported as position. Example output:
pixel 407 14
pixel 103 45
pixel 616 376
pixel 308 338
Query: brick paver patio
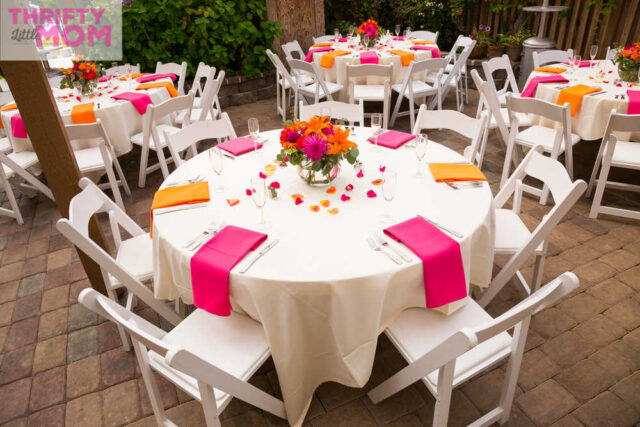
pixel 60 364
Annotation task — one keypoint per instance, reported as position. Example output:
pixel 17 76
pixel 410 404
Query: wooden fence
pixel 577 29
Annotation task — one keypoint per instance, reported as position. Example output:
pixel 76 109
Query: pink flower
pixel 371 194
pixel 382 168
pixel 349 187
pixel 345 198
pixel 275 184
pixel 315 147
pixel 249 192
pixel 263 176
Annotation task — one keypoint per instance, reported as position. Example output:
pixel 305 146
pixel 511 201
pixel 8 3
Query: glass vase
pixel 317 178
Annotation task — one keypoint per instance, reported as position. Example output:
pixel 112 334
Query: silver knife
pixel 162 211
pixel 258 255
pixel 442 227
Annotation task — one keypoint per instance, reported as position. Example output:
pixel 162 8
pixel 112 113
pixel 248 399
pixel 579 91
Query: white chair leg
pixel 507 165
pixel 602 182
pixel 152 386
pixel 443 400
pixel 412 113
pixel 538 272
pixel 124 337
pixel 15 208
pixel 113 183
pixel 209 408
pixel 163 162
pixel 123 180
pixel 144 160
pixel 513 369
pixel 396 110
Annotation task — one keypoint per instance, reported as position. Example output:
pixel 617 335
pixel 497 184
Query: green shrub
pixel 231 35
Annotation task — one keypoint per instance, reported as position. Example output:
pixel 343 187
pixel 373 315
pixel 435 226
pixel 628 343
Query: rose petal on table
pixel 233 202
pixel 262 175
pixel 249 192
pixel 376 182
pixel 299 200
pixel 605 81
pixel 331 190
pixel 333 211
pixel 344 198
pixel 610 71
pixel 619 85
pixel 349 187
pixel 371 194
pixel 275 184
pixel 297 196
pixel 360 174
pixel 382 168
pixel 314 208
pixel 325 203
pixel 269 168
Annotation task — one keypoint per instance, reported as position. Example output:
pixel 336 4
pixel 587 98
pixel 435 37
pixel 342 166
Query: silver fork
pixel 213 228
pixel 376 247
pixel 198 178
pixel 379 237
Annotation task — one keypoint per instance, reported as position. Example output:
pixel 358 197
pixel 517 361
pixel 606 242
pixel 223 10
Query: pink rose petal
pixel 619 85
pixel 605 81
pixel 344 198
pixel 349 187
pixel 263 176
pixel 249 192
pixel 275 184
pixel 299 200
pixel 382 168
pixel 360 174
pixel 371 194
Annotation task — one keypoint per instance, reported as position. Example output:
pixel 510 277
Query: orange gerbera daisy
pixel 316 124
pixel 338 142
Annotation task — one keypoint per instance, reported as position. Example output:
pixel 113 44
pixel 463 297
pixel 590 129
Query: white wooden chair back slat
pixel 497 64
pixel 551 56
pixel 210 94
pixel 489 100
pixel 324 39
pixel 293 50
pixel 189 136
pixel 352 113
pixel 425 35
pixel 202 72
pixel 179 70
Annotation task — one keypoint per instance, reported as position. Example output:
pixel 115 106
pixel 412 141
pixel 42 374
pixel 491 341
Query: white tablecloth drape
pixel 322 295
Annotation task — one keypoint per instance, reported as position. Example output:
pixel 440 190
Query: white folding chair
pixel 555 141
pixel 206 109
pixel 446 351
pixel 619 154
pixel 179 70
pixel 499 118
pixel 5 145
pixel 154 126
pixel 317 90
pixel 350 113
pixel 99 157
pixel 513 238
pixel 211 358
pixel 133 260
pixel 371 92
pixel 501 63
pixel 285 82
pixel 453 78
pixel 413 87
pixel 551 57
pixel 202 72
pixel 122 70
pixel 293 50
pixel 425 35
pixel 12 167
pixel 188 137
pixel 474 129
pixel 452 58
pixel 324 39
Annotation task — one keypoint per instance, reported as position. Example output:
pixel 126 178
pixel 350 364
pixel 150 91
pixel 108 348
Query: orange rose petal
pixel 325 203
pixel 233 202
pixel 331 190
pixel 333 211
pixel 376 182
pixel 297 196
pixel 314 208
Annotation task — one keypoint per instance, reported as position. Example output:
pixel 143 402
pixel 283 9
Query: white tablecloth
pixel 120 118
pixel 338 73
pixel 322 294
pixel 591 118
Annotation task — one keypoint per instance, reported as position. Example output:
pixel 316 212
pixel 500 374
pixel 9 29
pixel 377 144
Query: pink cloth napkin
pixel 342 40
pixel 582 64
pixel 238 146
pixel 105 78
pixel 392 139
pixel 139 100
pixel 309 56
pixel 435 52
pixel 210 267
pixel 152 77
pixel 17 126
pixel 530 90
pixel 400 39
pixel 368 57
pixel 443 272
pixel 634 101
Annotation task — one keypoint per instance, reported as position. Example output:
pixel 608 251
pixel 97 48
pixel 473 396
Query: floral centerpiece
pixel 628 60
pixel 82 76
pixel 316 147
pixel 369 29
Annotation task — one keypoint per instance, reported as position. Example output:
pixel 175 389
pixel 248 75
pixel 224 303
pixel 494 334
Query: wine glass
pixel 397 30
pixel 376 125
pixel 405 33
pixel 336 33
pixel 254 131
pixel 389 187
pixel 576 63
pixel 366 41
pixel 259 196
pixel 593 52
pixel 216 158
pixel 421 151
pixel 408 31
pixel 351 31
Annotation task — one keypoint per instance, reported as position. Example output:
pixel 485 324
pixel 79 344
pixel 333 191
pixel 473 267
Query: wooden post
pixel 32 93
pixel 301 20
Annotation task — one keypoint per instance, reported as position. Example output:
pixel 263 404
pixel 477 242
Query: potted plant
pixel 481 36
pixel 628 60
pixel 496 46
pixel 514 43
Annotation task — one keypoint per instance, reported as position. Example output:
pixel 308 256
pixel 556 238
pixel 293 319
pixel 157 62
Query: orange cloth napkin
pixel 172 90
pixel 552 70
pixel 133 76
pixel 422 42
pixel 326 44
pixel 180 195
pixel 406 57
pixel 7 107
pixel 327 59
pixel 83 113
pixel 574 94
pixel 450 172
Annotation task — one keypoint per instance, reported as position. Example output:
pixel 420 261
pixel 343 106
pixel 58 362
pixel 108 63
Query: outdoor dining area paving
pixel 62 364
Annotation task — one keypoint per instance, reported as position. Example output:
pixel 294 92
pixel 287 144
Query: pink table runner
pixel 139 100
pixel 634 101
pixel 392 139
pixel 435 52
pixel 444 280
pixel 153 77
pixel 309 56
pixel 211 265
pixel 238 146
pixel 530 90
pixel 369 57
pixel 18 130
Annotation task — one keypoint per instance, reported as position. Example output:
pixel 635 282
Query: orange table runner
pixel 7 107
pixel 552 70
pixel 168 85
pixel 450 172
pixel 83 114
pixel 406 57
pixel 327 59
pixel 133 76
pixel 422 42
pixel 574 94
pixel 322 44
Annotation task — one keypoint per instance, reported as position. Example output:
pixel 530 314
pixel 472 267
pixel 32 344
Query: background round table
pixel 321 293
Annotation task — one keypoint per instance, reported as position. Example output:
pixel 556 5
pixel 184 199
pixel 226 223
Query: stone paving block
pixel 58 242
pixel 50 353
pixel 610 291
pixel 567 348
pixel 16 364
pixel 117 366
pixel 555 266
pixel 53 323
pixel 47 388
pixel 81 317
pixel 31 285
pixel 582 307
pixel 14 255
pixel 585 379
pixel 401 403
pixel 85 410
pixel 354 413
pixel 76 288
pixel 121 404
pixel 618 359
pixel 6 312
pixel 58 259
pixel 626 313
pixel 187 414
pixel 37 248
pixel 484 391
pixel 576 232
pixel 599 330
pixel 621 259
pixel 58 277
pixel 536 368
pixel 249 418
pixel 594 272
pixel 626 233
pixel 50 417
pixel 83 376
pixel 607 409
pixel 167 392
pixel 11 272
pixel 551 322
pixel 547 403
pixel 567 421
pixel 580 254
pixel 4 331
pixel 628 390
pixel 34 265
pixel 27 307
pixel 9 291
pixel 631 277
pixel 82 343
pixel 332 394
pixel 15 399
pixel 22 333
pixel 55 298
pixel 632 339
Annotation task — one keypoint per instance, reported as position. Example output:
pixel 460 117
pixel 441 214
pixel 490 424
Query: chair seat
pixel 89 159
pixel 5 145
pixel 24 159
pixel 216 340
pixel 419 87
pixel 138 137
pixel 136 256
pixel 511 233
pixel 310 90
pixel 416 331
pixel 369 92
pixel 306 80
pixel 544 136
pixel 626 155
pixel 524 119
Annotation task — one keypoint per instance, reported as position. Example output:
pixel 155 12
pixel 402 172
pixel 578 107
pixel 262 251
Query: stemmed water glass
pixel 421 151
pixel 351 31
pixel 592 53
pixel 397 30
pixel 259 196
pixel 376 125
pixel 389 187
pixel 336 33
pixel 216 158
pixel 254 131
pixel 405 33
pixel 575 64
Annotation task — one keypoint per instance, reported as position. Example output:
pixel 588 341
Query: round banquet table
pixel 591 118
pixel 338 73
pixel 322 295
pixel 120 119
